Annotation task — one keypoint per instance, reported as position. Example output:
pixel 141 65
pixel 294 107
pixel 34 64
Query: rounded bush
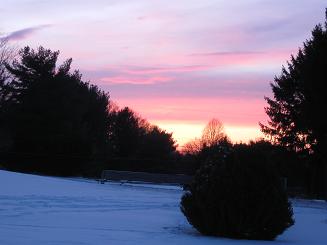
pixel 238 196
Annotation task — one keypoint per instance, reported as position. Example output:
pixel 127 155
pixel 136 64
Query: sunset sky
pixel 177 63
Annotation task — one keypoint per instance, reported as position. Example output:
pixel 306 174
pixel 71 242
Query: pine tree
pixel 55 118
pixel 297 110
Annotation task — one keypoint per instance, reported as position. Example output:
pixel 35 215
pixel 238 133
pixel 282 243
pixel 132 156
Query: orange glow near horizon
pixel 184 131
pixel 186 117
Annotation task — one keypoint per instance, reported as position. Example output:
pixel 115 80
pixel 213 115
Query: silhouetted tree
pixel 297 109
pixel 216 151
pixel 192 147
pixel 6 55
pixel 212 135
pixel 213 144
pixel 157 143
pixel 125 132
pixel 132 136
pixel 287 163
pixel 238 196
pixel 54 114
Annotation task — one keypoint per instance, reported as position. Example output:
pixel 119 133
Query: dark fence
pixel 156 178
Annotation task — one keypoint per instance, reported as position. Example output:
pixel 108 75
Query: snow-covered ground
pixel 44 210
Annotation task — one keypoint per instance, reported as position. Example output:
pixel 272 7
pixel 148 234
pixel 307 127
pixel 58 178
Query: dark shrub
pixel 239 196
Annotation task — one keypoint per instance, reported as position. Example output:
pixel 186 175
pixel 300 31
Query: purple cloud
pixel 24 33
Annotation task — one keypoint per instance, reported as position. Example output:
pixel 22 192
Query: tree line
pixel 53 122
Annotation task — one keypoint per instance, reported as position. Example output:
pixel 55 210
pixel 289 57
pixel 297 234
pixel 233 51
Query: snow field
pixel 47 210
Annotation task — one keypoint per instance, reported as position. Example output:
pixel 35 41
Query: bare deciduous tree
pixel 213 133
pixel 7 53
pixel 192 147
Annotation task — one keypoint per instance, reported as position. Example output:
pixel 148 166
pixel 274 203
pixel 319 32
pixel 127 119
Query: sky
pixel 176 63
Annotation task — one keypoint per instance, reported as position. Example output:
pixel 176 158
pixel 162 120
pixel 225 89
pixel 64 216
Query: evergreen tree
pixel 157 143
pixel 125 132
pixel 132 136
pixel 54 115
pixel 297 110
pixel 238 196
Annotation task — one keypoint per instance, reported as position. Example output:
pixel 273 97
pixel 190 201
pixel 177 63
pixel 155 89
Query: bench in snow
pixel 128 176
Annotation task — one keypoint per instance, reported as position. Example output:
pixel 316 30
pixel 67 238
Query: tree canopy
pixel 132 136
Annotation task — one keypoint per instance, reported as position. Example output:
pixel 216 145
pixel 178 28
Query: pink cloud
pixel 200 62
pixel 153 70
pixel 219 59
pixel 134 80
pixel 187 64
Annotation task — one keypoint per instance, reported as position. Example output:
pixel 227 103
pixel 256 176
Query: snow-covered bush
pixel 240 197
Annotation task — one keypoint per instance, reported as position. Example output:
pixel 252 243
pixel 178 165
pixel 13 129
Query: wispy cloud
pixel 165 69
pixel 227 53
pixel 135 80
pixel 25 33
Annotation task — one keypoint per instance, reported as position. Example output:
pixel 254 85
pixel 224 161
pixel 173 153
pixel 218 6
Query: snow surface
pixel 46 210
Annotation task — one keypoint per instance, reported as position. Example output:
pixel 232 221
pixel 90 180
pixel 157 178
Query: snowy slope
pixel 44 210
